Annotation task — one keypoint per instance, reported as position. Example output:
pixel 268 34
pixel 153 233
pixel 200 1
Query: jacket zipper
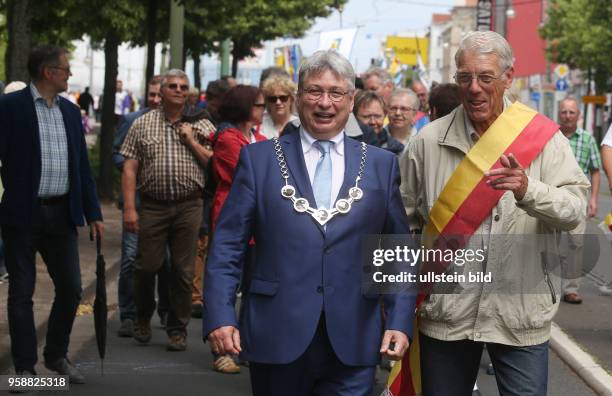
pixel 553 295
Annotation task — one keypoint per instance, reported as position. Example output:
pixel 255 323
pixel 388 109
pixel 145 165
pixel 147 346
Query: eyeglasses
pixel 259 105
pixel 274 99
pixel 175 86
pixel 314 94
pixel 401 109
pixel 483 79
pixel 64 69
pixel 374 117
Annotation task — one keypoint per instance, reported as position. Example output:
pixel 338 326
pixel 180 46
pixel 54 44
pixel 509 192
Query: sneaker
pixel 142 332
pixel 126 329
pixel 177 342
pixel 226 365
pixel 196 311
pixel 23 373
pixel 606 290
pixel 64 367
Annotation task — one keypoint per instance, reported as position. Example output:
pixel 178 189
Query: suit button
pixel 327 251
pixel 496 218
pixel 319 289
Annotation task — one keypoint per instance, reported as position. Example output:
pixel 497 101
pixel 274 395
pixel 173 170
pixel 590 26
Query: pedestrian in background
pixel 401 109
pixel 443 99
pixel 377 79
pixel 129 240
pixel 279 92
pixel 585 150
pixel 166 158
pixel 48 190
pixel 369 109
pixel 421 117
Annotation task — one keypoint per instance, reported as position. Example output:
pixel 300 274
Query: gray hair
pixel 383 75
pixel 173 73
pixel 570 99
pixel 330 60
pixel 486 42
pixel 416 103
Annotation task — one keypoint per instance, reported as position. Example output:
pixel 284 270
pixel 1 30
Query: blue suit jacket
pixel 300 270
pixel 21 161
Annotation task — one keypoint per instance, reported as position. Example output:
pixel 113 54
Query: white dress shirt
pixel 312 155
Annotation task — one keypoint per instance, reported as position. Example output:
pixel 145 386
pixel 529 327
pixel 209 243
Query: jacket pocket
pixel 263 287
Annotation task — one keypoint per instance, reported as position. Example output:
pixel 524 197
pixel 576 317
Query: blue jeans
pixel 450 368
pixel 127 307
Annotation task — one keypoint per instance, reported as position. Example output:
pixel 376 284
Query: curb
pixel 89 292
pixel 581 362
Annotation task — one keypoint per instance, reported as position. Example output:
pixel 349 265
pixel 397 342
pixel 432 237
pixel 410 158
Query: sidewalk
pixel 44 293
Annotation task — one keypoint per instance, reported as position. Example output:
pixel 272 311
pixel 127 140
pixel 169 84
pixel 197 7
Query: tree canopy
pixel 579 34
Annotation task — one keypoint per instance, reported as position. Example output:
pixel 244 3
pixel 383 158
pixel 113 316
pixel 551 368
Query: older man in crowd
pixel 525 182
pixel 421 117
pixel 305 326
pixel 378 80
pixel 169 156
pixel 587 155
pixel 401 109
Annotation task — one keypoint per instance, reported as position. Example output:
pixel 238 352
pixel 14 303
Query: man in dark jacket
pixel 48 190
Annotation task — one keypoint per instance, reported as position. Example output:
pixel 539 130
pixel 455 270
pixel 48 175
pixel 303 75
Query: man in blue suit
pixel 48 189
pixel 308 199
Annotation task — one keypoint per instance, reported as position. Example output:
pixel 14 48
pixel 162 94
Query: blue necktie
pixel 321 185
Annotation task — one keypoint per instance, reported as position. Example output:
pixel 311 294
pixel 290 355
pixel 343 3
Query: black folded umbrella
pixel 100 309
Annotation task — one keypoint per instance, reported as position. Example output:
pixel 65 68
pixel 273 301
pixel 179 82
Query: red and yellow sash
pixel 466 201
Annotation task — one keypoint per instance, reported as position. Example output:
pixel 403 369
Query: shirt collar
pixel 308 141
pixel 37 96
pixel 471 131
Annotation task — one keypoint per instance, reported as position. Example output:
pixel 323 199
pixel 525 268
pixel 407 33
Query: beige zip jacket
pixel 518 305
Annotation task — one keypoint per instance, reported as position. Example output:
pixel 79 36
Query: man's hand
pixel 511 177
pixel 225 340
pixel 400 341
pixel 186 133
pixel 96 228
pixel 130 220
pixel 592 208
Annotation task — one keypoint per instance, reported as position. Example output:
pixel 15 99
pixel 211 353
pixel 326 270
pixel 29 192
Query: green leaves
pixel 579 34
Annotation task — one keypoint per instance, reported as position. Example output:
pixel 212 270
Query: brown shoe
pixel 572 298
pixel 177 342
pixel 142 332
pixel 226 365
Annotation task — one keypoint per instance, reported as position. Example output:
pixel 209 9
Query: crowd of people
pixel 267 192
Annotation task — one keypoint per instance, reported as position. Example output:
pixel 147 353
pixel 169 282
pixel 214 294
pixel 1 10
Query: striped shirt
pixel 167 169
pixel 586 151
pixel 54 174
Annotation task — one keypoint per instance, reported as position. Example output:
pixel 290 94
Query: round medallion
pixel 343 206
pixel 288 191
pixel 300 205
pixel 356 193
pixel 322 214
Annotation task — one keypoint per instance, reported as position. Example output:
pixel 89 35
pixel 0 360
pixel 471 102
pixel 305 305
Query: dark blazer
pixel 300 269
pixel 21 162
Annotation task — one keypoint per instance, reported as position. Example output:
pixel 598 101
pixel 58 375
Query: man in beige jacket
pixel 542 198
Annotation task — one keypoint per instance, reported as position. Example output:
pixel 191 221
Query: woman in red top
pixel 242 107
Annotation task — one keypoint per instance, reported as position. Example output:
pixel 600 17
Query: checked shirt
pixel 54 175
pixel 586 151
pixel 167 169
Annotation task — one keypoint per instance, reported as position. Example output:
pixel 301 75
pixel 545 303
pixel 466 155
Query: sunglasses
pixel 274 99
pixel 175 86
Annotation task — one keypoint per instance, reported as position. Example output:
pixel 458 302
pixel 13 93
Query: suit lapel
pixel 294 156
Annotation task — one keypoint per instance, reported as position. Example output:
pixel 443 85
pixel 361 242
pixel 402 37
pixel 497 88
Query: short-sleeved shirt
pixel 586 151
pixel 167 169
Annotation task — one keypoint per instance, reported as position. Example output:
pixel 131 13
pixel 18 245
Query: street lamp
pixel 510 13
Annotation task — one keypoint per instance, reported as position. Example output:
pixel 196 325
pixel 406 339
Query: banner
pixel 289 58
pixel 339 40
pixel 406 49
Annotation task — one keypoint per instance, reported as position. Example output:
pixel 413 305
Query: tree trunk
pixel 105 177
pixel 197 79
pixel 19 19
pixel 151 41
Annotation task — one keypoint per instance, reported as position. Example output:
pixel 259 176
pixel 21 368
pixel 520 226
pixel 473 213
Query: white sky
pixel 375 19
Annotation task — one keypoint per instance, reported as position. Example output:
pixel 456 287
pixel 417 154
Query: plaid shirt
pixel 586 151
pixel 54 176
pixel 167 169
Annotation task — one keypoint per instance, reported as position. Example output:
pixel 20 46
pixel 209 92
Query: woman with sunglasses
pixel 280 96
